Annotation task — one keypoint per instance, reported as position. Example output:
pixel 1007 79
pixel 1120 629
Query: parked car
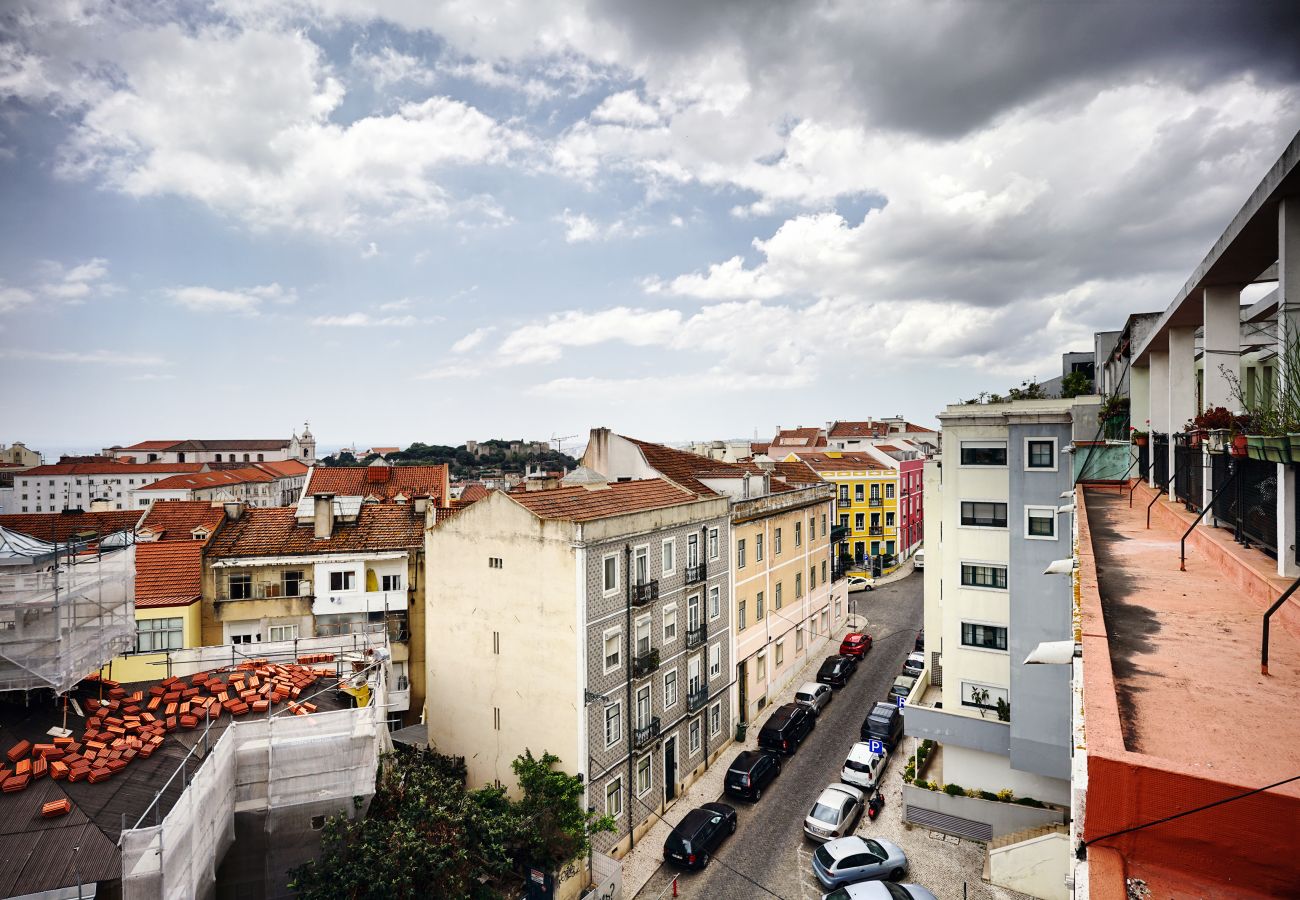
pixel 861 583
pixel 856 644
pixel 879 890
pixel 884 723
pixel 920 641
pixel 902 686
pixel 850 859
pixel 914 664
pixel 918 560
pixel 698 834
pixel 836 811
pixel 863 768
pixel 786 728
pixel 814 696
pixel 835 670
pixel 750 772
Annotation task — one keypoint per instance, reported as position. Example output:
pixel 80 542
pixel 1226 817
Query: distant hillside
pixel 492 454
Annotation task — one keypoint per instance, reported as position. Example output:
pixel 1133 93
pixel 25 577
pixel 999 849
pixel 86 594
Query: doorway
pixel 742 681
pixel 670 769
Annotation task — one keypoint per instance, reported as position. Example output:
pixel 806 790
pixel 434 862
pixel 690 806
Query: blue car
pixel 851 859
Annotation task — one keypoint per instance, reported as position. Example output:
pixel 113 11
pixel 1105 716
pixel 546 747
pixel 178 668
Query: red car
pixel 855 644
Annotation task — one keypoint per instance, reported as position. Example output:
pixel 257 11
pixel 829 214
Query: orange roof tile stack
pixel 580 504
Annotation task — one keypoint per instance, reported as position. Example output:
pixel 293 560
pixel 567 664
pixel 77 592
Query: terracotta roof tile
pixel 200 480
pixel 472 493
pixel 356 481
pixel 60 526
pixel 168 573
pixel 175 520
pixel 839 461
pixel 236 444
pixel 274 531
pixel 112 467
pixel 871 428
pixel 578 504
pixel 799 437
pixel 150 445
pixel 685 469
pixel 796 472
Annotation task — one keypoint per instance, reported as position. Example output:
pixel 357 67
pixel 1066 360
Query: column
pixel 1222 359
pixel 1182 385
pixel 1158 400
pixel 1288 333
pixel 1139 386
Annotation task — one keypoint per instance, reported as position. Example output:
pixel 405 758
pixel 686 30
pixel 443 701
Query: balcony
pixel 875 501
pixel 697 573
pixel 696 699
pixel 645 663
pixel 875 531
pixel 645 592
pixel 844 500
pixel 645 734
pixel 268 590
pixel 697 635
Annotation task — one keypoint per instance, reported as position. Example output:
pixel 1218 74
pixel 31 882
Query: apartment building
pixel 382 482
pixel 301 447
pixel 76 485
pixel 997 521
pixel 868 432
pixel 784 603
pixel 587 618
pixel 866 505
pixel 257 484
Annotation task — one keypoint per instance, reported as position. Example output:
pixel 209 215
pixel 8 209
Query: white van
pixel 918 560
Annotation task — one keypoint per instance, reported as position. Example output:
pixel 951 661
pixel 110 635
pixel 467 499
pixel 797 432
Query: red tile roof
pixel 871 428
pixel 799 437
pixel 59 526
pixel 168 573
pixel 283 468
pixel 685 469
pixel 175 520
pixel 356 481
pixel 275 531
pixel 473 492
pixel 150 445
pixel 578 504
pixel 112 467
pixel 200 480
pixel 796 472
pixel 840 461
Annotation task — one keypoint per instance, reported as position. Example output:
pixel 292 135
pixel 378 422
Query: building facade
pixel 257 484
pixel 589 620
pixel 77 485
pixel 301 447
pixel 866 505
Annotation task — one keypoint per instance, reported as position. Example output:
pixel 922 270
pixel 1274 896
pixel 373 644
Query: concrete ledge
pixel 988 735
pixel 1003 818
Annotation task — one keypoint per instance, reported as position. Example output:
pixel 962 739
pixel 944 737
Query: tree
pixel 1075 384
pixel 560 829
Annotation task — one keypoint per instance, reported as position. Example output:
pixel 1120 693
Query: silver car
pixel 879 890
pixel 813 695
pixel 914 665
pixel 863 768
pixel 835 813
pixel 851 859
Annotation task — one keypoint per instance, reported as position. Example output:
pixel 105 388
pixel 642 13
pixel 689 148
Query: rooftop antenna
pixel 559 441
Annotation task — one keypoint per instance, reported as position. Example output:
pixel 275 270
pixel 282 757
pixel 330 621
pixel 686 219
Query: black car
pixel 920 641
pixel 883 723
pixel 750 772
pixel 836 670
pixel 698 834
pixel 786 728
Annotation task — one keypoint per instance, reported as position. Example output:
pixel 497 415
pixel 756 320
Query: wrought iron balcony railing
pixel 875 530
pixel 697 573
pixel 696 699
pixel 875 501
pixel 645 734
pixel 697 635
pixel 645 663
pixel 645 592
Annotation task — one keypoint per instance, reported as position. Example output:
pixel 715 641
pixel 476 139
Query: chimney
pixel 597 455
pixel 324 516
pixel 234 509
pixel 421 505
pixel 99 504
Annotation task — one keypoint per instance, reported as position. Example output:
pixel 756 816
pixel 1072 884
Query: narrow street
pixel 768 855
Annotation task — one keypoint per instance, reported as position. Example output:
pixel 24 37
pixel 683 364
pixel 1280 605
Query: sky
pixel 402 220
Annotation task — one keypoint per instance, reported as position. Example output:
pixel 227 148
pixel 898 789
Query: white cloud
pixel 626 108
pixel 370 251
pixel 77 283
pixel 365 320
pixel 396 305
pixel 246 300
pixel 545 341
pixel 389 66
pixel 88 357
pixel 472 340
pixel 152 376
pixel 12 298
pixel 580 228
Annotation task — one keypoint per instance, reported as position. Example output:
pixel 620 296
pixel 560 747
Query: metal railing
pixel 645 663
pixel 697 573
pixel 875 501
pixel 270 590
pixel 645 592
pixel 1189 483
pixel 646 733
pixel 1160 457
pixel 843 500
pixel 875 531
pixel 696 699
pixel 697 635
pixel 1249 508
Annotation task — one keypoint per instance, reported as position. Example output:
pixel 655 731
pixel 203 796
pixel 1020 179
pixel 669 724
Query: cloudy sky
pixel 407 220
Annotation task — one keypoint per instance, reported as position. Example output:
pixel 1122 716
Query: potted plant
pixel 1139 438
pixel 1192 434
pixel 1215 423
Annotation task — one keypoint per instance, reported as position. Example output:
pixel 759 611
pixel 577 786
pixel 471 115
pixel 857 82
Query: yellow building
pixel 866 504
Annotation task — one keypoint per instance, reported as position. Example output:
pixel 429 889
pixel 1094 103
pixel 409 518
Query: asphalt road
pixel 769 856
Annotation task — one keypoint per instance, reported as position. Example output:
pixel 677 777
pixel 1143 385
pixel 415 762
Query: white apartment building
pixel 301 447
pixel 77 485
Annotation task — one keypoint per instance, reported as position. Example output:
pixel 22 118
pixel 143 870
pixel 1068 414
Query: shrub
pixel 932 785
pixel 1005 795
pixel 954 790
pixel 1029 801
pixel 973 793
pixel 988 795
pixel 907 778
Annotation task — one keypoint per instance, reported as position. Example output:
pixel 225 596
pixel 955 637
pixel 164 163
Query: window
pixel 844 521
pixel 670 623
pixel 982 576
pixel 694 735
pixel 740 616
pixel 740 553
pixel 390 582
pixel 798 638
pixel 798 534
pixel 291 581
pixel 614 798
pixel 982 696
pixel 776 542
pixel 798 585
pixel 859 521
pixel 643 780
pixel 824 519
pixel 812 529
pixel 779 601
pixel 837 608
pixel 823 571
pixel 670 689
pixel 611 574
pixel 613 724
pixel 715 661
pixel 643 707
pixel 780 653
pixel 758 547
pixel 825 621
pixel 669 560
pixel 1040 453
pixel 980 514
pixel 713 543
pixel 715 608
pixel 758 606
pixel 812 578
pixel 613 649
pixel 715 719
pixel 985 637
pixel 859 492
pixel 152 635
pixel 983 453
pixel 283 632
pixel 693 681
pixel 641 565
pixel 642 636
pixel 241 587
pixel 343 581
pixel 844 494
pixel 889 491
pixel 1040 522
pixel 760 667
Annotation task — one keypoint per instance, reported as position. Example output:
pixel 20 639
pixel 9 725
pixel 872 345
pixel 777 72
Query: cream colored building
pixel 586 619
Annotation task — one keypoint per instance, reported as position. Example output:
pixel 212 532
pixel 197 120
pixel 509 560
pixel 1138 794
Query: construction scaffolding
pixel 66 608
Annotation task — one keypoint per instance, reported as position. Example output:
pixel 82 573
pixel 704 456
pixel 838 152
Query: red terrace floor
pixel 1178 712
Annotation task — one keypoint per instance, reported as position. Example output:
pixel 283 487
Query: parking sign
pixel 902 701
pixel 876 747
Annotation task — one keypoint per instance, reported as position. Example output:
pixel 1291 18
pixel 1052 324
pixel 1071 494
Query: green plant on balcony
pixel 954 790
pixel 1005 795
pixel 1004 710
pixel 1075 384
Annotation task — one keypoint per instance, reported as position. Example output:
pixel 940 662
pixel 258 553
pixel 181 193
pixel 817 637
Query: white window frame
pixel 647 763
pixel 604 573
pixel 669 618
pixel 779 659
pixel 715 719
pixel 776 542
pixel 1041 440
pixel 642 624
pixel 614 787
pixel 643 721
pixel 715 660
pixel 760 667
pixel 604 654
pixel 671 696
pixel 642 552
pixel 985 444
pixel 693 732
pixel 987 564
pixel 617 707
pixel 1051 515
pixel 740 553
pixel 292 627
pixel 715 602
pixel 715 545
pixel 983 500
pixel 668 557
pixel 758 547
